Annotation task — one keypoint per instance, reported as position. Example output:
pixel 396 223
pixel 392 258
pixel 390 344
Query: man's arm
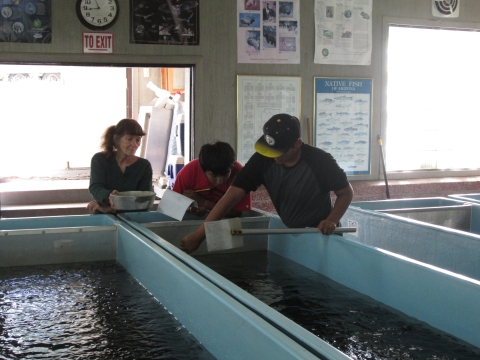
pixel 344 198
pixel 207 205
pixel 192 241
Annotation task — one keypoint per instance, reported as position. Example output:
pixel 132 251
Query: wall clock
pixel 97 14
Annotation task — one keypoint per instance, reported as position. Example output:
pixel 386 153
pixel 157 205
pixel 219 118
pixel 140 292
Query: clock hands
pixel 94 8
pixel 97 14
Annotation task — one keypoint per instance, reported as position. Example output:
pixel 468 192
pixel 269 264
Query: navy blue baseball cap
pixel 280 133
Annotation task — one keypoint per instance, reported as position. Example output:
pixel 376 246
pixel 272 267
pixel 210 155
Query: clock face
pixel 97 14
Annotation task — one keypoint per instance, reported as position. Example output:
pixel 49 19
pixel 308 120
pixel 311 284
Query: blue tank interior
pixel 443 246
pixel 434 282
pixel 474 198
pixel 424 291
pixel 226 327
pixel 406 203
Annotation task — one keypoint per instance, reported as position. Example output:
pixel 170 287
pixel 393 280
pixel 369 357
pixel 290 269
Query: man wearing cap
pixel 298 177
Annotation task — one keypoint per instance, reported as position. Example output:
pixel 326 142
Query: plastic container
pixel 174 165
pixel 133 200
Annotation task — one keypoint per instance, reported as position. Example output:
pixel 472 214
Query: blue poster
pixel 343 121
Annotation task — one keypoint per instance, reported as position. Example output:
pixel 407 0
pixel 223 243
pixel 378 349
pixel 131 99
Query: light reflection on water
pixel 353 323
pixel 88 310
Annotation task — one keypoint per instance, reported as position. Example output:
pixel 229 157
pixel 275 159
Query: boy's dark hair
pixel 217 157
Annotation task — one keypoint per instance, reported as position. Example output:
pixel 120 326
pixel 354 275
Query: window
pixel 53 117
pixel 432 112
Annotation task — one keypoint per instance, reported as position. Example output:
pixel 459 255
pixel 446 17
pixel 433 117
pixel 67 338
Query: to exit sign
pixel 97 43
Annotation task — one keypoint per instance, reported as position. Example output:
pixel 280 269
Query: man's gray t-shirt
pixel 301 193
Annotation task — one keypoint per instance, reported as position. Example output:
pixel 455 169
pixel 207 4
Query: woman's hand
pixel 110 199
pixel 93 206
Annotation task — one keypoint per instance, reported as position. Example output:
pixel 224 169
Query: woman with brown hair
pixel 117 168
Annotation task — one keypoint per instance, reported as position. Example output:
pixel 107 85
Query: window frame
pixel 81 173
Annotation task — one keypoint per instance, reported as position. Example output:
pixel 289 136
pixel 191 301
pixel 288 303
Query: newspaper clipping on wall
pixel 343 32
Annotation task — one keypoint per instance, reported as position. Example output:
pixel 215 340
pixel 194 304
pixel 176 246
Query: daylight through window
pixel 432 96
pixel 53 116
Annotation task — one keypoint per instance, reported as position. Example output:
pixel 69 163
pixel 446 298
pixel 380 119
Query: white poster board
pixel 343 32
pixel 259 98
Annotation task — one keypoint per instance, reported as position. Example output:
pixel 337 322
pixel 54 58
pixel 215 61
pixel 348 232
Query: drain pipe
pixel 383 165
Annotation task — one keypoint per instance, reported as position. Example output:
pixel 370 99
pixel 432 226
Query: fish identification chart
pixel 259 98
pixel 342 121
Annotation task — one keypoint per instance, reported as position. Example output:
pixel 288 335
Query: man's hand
pixel 197 211
pixel 326 227
pixel 194 196
pixel 191 242
pixel 344 198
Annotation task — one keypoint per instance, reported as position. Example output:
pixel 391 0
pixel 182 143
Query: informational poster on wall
pixel 343 32
pixel 259 98
pixel 164 22
pixel 343 110
pixel 26 21
pixel 268 31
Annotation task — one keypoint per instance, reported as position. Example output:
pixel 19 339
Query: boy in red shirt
pixel 207 178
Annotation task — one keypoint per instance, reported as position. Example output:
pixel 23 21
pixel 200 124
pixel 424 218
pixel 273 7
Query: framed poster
pixel 342 113
pixel 164 22
pixel 258 99
pixel 26 21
